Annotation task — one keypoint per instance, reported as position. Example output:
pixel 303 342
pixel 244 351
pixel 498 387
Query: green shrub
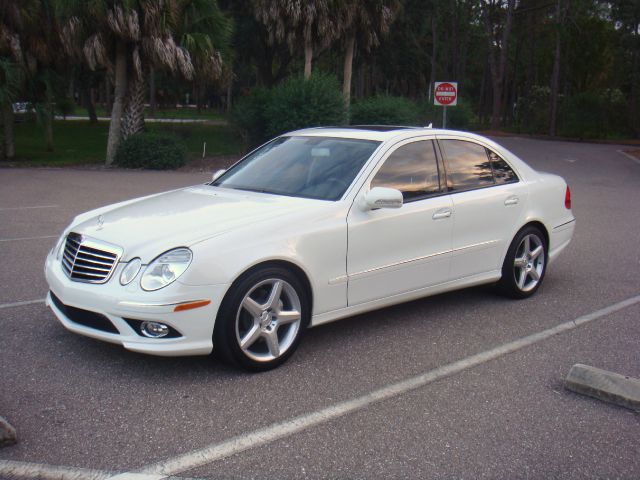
pixel 65 106
pixel 459 117
pixel 615 112
pixel 299 103
pixel 582 116
pixel 151 151
pixel 428 113
pixel 249 116
pixel 532 111
pixel 384 110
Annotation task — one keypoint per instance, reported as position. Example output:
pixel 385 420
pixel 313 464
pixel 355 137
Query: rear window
pixel 468 165
pixel 471 165
pixel 502 172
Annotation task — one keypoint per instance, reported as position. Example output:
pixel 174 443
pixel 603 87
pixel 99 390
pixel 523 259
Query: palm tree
pixel 309 21
pixel 29 36
pixel 13 18
pixel 363 23
pixel 9 83
pixel 128 36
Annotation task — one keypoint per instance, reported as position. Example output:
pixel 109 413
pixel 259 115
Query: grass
pixel 81 143
pixel 179 113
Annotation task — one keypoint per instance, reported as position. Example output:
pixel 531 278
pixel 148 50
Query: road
pixel 95 410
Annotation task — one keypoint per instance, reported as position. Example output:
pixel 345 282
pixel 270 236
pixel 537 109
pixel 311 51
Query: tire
pixel 525 264
pixel 261 320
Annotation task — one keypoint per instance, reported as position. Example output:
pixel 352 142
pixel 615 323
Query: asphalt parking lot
pixel 86 409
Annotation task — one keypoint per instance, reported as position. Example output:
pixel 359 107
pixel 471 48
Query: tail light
pixel 567 198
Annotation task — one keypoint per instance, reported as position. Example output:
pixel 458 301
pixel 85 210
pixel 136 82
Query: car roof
pixel 379 133
pixel 384 133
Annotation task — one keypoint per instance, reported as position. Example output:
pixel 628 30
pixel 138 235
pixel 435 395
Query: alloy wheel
pixel 528 265
pixel 268 319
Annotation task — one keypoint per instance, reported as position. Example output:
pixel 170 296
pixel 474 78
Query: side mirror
pixel 382 197
pixel 217 175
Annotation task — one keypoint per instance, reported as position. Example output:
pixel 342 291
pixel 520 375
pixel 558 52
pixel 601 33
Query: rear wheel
pixel 525 264
pixel 262 319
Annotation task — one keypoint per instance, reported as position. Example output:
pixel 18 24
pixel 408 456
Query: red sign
pixel 445 94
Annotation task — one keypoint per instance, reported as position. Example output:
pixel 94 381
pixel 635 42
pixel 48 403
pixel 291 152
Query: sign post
pixel 445 94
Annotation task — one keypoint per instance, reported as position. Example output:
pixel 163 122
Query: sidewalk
pixel 203 121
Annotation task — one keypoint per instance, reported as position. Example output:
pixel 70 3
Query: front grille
pixel 84 317
pixel 89 260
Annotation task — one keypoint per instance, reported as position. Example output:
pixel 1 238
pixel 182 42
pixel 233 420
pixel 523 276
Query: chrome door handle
pixel 446 213
pixel 511 201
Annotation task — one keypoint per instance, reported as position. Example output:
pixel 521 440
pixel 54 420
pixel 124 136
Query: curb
pixel 606 386
pixel 7 434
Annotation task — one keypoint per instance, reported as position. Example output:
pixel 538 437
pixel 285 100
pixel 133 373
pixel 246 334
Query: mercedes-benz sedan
pixel 314 226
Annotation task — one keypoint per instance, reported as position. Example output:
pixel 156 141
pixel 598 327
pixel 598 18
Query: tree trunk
pixel 359 87
pixel 348 69
pixel 9 137
pixel 228 103
pixel 120 91
pixel 91 106
pixel 308 56
pixel 483 87
pixel 498 66
pixel 108 98
pixel 434 53
pixel 509 86
pixel 555 75
pixel 634 94
pixel 87 97
pixel 47 118
pixel 153 103
pixel 133 120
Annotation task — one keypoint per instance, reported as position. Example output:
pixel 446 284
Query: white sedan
pixel 314 226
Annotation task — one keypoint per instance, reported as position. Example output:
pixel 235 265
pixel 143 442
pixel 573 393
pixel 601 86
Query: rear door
pixel 488 204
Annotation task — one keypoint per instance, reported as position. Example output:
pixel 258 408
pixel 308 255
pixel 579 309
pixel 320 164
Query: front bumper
pixel 117 303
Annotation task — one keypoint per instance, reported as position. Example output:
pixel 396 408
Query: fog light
pixel 154 329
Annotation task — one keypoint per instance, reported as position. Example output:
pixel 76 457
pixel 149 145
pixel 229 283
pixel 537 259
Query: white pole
pixel 204 149
pixel 444 116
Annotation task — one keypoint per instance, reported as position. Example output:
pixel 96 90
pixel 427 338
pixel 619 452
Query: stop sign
pixel 445 94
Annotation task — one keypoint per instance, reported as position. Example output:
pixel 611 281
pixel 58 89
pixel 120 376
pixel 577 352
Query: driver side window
pixel 412 169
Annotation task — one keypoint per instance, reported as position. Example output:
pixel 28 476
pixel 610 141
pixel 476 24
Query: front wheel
pixel 262 319
pixel 525 264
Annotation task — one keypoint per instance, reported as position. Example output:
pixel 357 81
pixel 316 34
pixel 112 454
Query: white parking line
pixel 20 304
pixel 14 469
pixel 28 208
pixel 246 441
pixel 629 156
pixel 27 238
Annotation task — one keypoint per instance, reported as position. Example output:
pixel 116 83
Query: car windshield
pixel 310 167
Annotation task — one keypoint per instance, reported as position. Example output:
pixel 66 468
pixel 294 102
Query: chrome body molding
pixel 563 225
pixel 419 259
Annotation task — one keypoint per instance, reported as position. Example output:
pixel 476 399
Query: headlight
pixel 130 271
pixel 166 269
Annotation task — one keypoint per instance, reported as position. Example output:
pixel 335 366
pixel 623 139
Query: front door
pixel 395 251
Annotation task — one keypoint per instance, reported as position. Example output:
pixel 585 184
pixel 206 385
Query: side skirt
pixel 406 297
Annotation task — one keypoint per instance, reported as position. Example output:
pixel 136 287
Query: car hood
pixel 148 226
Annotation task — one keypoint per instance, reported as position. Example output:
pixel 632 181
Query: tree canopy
pixel 568 67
